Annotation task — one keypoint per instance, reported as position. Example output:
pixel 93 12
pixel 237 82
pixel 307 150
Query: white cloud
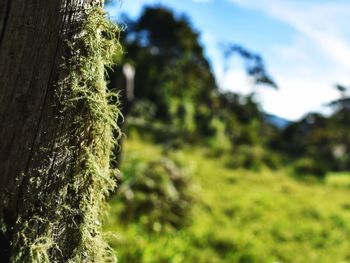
pixel 236 78
pixel 313 24
pixel 318 57
pixel 294 52
pixel 297 97
pixel 323 24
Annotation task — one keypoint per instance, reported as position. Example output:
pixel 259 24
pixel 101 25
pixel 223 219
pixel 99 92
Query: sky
pixel 305 45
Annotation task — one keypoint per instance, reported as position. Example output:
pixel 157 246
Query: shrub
pixel 309 166
pixel 248 157
pixel 144 109
pixel 156 194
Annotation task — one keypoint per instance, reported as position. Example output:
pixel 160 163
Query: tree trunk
pixel 56 124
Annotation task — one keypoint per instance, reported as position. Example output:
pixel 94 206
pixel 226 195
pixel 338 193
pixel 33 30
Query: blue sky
pixel 305 44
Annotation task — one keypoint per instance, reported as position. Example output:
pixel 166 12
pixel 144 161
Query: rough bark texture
pixel 36 157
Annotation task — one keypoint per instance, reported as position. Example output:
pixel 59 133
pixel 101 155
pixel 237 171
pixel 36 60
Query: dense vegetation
pixel 207 176
pixel 237 215
pixel 177 97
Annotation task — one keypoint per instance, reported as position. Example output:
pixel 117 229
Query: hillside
pixel 243 216
pixel 276 121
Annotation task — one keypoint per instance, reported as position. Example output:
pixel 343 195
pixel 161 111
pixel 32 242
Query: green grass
pixel 244 216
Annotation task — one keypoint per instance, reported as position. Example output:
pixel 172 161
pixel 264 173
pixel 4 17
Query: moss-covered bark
pixel 57 126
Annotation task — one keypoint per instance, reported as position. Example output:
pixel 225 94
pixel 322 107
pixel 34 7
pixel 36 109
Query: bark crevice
pixel 6 7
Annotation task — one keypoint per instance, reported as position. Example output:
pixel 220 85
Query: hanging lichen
pixel 79 205
pixel 97 46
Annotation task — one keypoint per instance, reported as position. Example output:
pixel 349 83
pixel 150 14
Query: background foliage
pixel 262 189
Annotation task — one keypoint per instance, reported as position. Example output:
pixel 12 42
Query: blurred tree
pixel 54 167
pixel 175 86
pixel 343 103
pixel 171 70
pixel 340 129
pixel 254 64
pixel 173 73
pixel 317 139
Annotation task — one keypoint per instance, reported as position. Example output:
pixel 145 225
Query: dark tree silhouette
pixel 254 64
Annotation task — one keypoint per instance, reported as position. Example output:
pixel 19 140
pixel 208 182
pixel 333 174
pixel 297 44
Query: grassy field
pixel 243 216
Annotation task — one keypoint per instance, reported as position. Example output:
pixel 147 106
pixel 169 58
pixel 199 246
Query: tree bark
pixel 37 162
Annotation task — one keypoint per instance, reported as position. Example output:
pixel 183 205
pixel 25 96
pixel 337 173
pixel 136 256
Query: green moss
pixel 94 134
pixel 88 89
